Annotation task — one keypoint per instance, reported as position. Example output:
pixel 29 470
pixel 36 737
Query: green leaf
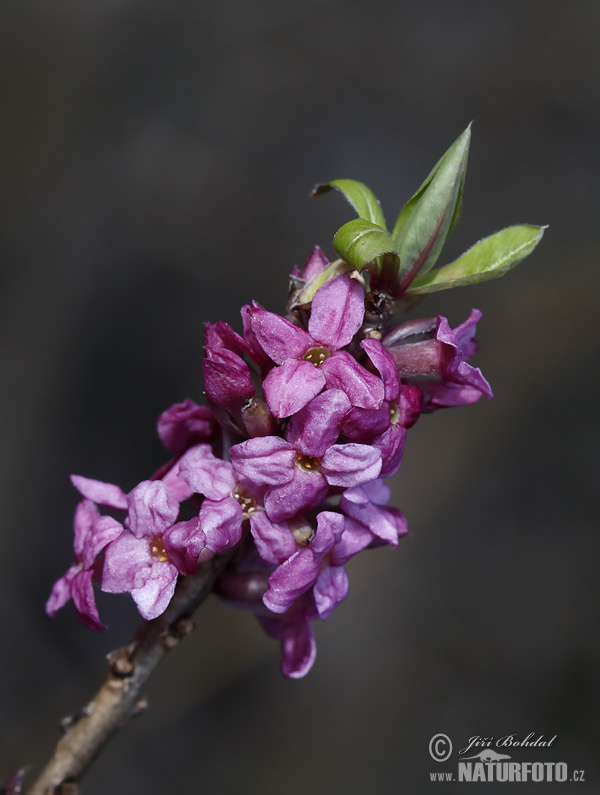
pixel 359 242
pixel 490 258
pixel 360 197
pixel 425 222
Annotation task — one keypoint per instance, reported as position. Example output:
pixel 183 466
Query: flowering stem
pixel 119 698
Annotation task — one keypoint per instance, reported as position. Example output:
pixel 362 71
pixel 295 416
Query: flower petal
pixel 342 371
pixel 206 474
pixel 356 538
pixel 105 530
pixel 315 264
pixel 99 492
pixel 337 312
pixel 274 541
pixel 227 379
pixel 183 543
pixel 304 492
pixel 386 365
pixel 221 523
pixel 61 590
pixel 153 598
pixel 86 514
pixel 185 424
pixel 127 564
pixel 82 592
pixel 363 425
pixel 279 338
pixel 290 387
pixel 351 464
pixel 151 510
pixel 317 426
pixel 330 589
pixel 291 579
pixel 391 443
pixel 264 460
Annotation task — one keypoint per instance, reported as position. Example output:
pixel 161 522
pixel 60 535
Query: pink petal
pixel 265 460
pixel 363 425
pixel 61 590
pixel 86 514
pixel 221 523
pixel 227 380
pixel 183 543
pixel 105 530
pixel 127 564
pixel 153 598
pixel 206 474
pixel 151 510
pixel 356 538
pixel 386 365
pixel 330 589
pixel 317 426
pixel 303 493
pixel 351 464
pixel 177 489
pixel 82 591
pixel 290 387
pixel 391 443
pixel 100 492
pixel 291 579
pixel 274 541
pixel 315 265
pixel 184 424
pixel 279 338
pixel 337 312
pixel 342 371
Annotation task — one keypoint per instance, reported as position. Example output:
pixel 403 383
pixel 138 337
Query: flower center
pixel 247 503
pixel 157 549
pixel 317 356
pixel 302 532
pixel 308 463
pixel 394 413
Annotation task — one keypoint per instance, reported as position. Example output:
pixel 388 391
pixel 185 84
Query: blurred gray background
pixel 156 164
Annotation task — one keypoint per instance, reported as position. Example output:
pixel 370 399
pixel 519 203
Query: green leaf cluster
pixel 415 243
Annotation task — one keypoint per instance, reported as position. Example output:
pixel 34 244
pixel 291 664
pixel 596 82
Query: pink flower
pixel 298 471
pixel 92 532
pixel 310 360
pixel 147 557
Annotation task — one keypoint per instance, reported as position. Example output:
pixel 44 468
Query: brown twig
pixel 120 697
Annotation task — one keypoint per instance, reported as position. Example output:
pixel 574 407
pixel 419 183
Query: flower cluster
pixel 283 471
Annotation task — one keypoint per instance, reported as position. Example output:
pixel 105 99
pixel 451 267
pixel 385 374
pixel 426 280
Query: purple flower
pixel 147 557
pixel 430 348
pixel 228 380
pixel 299 470
pixel 228 502
pixel 310 360
pixel 385 428
pixel 92 533
pixel 307 569
pixel 185 424
pixel 366 506
pixel 293 629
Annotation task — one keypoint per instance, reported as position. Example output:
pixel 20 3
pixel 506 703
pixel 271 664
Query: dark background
pixel 156 163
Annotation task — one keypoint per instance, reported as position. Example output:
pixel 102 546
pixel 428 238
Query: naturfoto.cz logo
pixel 486 764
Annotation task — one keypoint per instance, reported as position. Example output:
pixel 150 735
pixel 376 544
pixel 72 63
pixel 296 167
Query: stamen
pixel 247 503
pixel 394 413
pixel 317 356
pixel 157 549
pixel 308 463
